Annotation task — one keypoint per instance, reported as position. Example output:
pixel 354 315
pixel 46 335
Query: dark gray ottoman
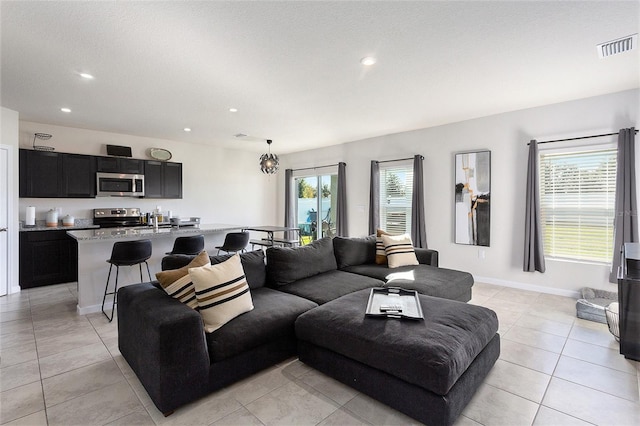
pixel 427 369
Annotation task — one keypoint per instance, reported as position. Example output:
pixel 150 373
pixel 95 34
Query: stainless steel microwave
pixel 119 185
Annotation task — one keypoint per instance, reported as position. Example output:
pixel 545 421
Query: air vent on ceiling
pixel 618 46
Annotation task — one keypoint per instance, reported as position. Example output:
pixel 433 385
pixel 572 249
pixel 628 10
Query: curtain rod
pixel 316 167
pixel 580 137
pixel 399 159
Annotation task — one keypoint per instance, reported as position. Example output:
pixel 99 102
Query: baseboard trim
pixel 529 287
pixel 92 309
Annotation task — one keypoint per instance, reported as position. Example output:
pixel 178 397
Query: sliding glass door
pixel 316 206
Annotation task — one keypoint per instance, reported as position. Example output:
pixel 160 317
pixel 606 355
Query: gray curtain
pixel 533 247
pixel 374 198
pixel 625 222
pixel 289 214
pixel 418 231
pixel 342 229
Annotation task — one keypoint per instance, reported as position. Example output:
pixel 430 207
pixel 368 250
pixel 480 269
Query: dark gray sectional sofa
pixel 177 362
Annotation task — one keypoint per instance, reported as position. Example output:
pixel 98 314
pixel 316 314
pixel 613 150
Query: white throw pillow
pixel 222 292
pixel 399 250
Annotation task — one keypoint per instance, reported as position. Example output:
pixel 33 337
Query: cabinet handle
pixel 3 229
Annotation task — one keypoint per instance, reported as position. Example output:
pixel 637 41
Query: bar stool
pixel 126 253
pixel 188 245
pixel 234 242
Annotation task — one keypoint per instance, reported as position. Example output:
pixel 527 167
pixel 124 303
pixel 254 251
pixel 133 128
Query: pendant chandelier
pixel 269 162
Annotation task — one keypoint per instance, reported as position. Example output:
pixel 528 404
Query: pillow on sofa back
pixel 177 282
pixel 354 251
pixel 288 264
pixel 253 265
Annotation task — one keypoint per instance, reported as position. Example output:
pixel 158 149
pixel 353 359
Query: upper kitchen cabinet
pixel 46 174
pixel 162 179
pixel 120 165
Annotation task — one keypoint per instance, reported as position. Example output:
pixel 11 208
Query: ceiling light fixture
pixel 368 61
pixel 233 109
pixel 269 162
pixel 187 129
pixel 65 110
pixel 86 75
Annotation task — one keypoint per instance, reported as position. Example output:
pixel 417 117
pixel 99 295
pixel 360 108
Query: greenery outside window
pixel 396 190
pixel 577 202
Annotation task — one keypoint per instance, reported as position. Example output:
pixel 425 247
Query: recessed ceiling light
pixel 65 110
pixel 368 61
pixel 87 76
pixel 233 109
pixel 187 129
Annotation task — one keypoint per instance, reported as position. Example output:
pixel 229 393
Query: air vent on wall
pixel 618 46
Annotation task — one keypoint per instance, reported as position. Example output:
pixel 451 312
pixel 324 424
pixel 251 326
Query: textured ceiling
pixel 292 68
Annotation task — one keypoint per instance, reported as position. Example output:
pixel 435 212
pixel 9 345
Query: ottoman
pixel 428 369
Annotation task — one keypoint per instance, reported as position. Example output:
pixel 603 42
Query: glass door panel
pixel 316 206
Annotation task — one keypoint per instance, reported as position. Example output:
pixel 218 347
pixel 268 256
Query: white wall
pixel 9 136
pixel 506 135
pixel 219 185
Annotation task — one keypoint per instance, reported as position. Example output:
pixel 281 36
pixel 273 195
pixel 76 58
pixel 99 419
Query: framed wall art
pixel 473 198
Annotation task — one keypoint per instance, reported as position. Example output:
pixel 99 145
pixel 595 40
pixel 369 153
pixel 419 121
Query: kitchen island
pixel 94 248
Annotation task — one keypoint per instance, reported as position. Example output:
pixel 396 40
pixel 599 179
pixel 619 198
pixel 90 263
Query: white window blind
pixel 396 190
pixel 577 203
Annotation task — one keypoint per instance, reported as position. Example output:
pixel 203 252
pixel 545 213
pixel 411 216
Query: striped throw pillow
pixel 222 292
pixel 399 250
pixel 177 282
pixel 381 255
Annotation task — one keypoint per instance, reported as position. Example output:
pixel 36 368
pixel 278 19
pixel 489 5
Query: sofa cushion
pixel 177 282
pixel 222 292
pixel 330 285
pixel 399 250
pixel 288 264
pixel 425 279
pixel 272 317
pixel 354 251
pixel 252 263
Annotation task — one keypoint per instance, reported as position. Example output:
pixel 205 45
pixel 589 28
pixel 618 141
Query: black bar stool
pixel 234 242
pixel 188 245
pixel 126 253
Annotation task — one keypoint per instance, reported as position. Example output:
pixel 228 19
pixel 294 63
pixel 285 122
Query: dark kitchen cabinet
pixel 120 165
pixel 162 179
pixel 45 174
pixel 79 176
pixel 47 257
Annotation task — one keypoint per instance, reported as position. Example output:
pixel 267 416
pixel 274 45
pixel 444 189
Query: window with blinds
pixel 577 202
pixel 396 190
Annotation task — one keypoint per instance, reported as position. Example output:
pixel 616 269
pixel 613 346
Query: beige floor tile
pixel 600 355
pixel 20 402
pixel 545 325
pixel 241 417
pixel 15 315
pixel 72 359
pixel 17 326
pixel 552 313
pixel 329 387
pixel 46 309
pixel 538 339
pixel 35 419
pixel 14 297
pixel 96 408
pixel 600 337
pixel 14 306
pixel 377 413
pixel 517 295
pixel 294 368
pixel 67 341
pixel 139 417
pixel 18 354
pixel 494 303
pixel 486 290
pixel 60 327
pixel 258 385
pixel 292 404
pixel 528 356
pixel 465 421
pixel 478 300
pixel 518 380
pixel 590 405
pixel 10 340
pixel 493 406
pixel 614 382
pixel 204 411
pixel 548 417
pixel 140 391
pixel 600 326
pixel 343 417
pixel 74 383
pixel 506 317
pixel 19 375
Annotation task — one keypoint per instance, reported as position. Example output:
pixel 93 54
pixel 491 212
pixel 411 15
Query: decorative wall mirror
pixel 472 198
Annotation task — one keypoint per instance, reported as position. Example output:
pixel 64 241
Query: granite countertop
pixel 149 232
pixel 42 226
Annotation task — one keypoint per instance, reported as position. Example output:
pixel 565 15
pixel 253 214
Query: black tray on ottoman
pixel 426 369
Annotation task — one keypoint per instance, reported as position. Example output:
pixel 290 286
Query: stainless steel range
pixel 117 217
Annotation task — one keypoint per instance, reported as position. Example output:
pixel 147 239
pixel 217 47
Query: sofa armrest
pixel 427 256
pixel 163 342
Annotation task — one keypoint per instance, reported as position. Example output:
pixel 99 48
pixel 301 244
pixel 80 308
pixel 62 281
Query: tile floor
pixel 60 368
